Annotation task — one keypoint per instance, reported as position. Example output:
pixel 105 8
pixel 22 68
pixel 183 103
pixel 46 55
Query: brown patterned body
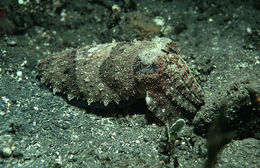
pixel 120 71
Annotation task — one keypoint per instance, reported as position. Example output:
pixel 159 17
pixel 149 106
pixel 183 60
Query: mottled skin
pixel 120 71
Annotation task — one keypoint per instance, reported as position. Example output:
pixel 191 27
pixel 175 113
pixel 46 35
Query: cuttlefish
pixel 125 71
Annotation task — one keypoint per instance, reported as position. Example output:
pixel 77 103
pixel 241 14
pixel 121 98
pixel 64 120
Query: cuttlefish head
pixel 167 84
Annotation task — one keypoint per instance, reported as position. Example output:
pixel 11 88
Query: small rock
pixel 5 152
pixel 11 42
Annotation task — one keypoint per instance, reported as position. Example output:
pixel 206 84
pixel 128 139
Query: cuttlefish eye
pixel 145 68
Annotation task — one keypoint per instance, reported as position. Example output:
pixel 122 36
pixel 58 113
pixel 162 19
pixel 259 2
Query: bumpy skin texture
pixel 120 71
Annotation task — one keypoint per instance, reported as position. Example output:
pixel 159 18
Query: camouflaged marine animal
pixel 119 71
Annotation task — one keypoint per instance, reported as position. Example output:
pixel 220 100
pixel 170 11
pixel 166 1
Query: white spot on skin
pixel 89 101
pixel 106 102
pixel 148 100
pixel 93 49
pixel 159 21
pixel 151 104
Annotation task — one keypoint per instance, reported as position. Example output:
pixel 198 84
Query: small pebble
pixel 249 30
pixel 11 42
pixel 19 73
pixel 5 152
pixel 116 8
